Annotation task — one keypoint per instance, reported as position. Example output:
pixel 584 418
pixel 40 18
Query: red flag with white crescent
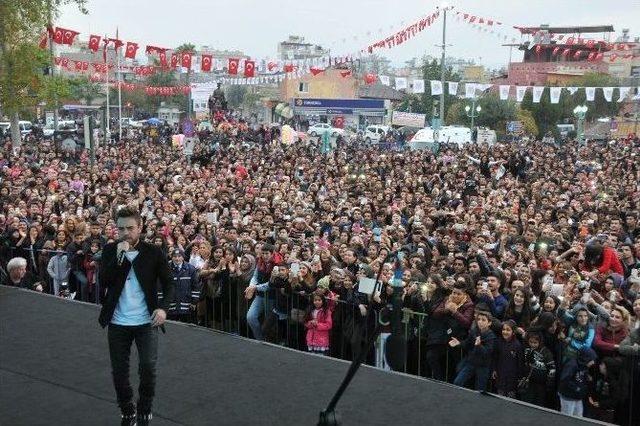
pixel 233 66
pixel 132 49
pixel 249 68
pixel 94 42
pixel 205 63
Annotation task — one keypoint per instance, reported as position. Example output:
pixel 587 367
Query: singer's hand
pixel 158 317
pixel 123 246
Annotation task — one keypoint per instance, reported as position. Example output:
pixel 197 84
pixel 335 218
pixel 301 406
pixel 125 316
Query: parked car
pixel 373 134
pixel 320 128
pixel 63 125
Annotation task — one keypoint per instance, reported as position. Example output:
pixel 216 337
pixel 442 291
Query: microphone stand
pixel 328 416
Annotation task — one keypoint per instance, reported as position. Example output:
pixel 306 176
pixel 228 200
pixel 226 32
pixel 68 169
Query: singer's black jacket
pixel 151 269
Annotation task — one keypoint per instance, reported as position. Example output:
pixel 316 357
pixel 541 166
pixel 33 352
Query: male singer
pixel 130 271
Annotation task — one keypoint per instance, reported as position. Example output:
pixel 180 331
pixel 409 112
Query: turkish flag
pixel 249 68
pixel 345 73
pixel 538 49
pixel 570 41
pixel 271 66
pixel 565 52
pixel 591 56
pixel 57 60
pixel 205 63
pixel 94 42
pixel 288 68
pixel 58 35
pixel 65 62
pixel 315 71
pixel 555 51
pixel 233 66
pixel 599 56
pixel 174 60
pixel 78 65
pixel 117 43
pixel 163 58
pixel 132 48
pixel 85 66
pixel 186 60
pixel 68 36
pixel 577 54
pixel 370 78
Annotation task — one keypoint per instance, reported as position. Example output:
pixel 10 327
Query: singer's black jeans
pixel 120 340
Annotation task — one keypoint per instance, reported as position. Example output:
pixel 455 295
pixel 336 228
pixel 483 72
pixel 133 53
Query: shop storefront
pixel 343 112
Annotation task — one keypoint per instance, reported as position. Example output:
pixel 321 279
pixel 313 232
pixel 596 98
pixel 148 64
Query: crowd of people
pixel 518 262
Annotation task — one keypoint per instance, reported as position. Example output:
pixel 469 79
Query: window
pixel 303 87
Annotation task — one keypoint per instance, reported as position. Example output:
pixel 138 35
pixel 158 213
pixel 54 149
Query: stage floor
pixel 54 370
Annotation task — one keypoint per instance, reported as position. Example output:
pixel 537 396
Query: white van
pixel 455 134
pixel 373 134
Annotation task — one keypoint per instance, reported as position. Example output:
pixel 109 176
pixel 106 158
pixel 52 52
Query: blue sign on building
pixel 339 103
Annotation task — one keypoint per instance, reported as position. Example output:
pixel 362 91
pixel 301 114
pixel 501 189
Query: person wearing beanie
pixel 508 362
pixel 574 382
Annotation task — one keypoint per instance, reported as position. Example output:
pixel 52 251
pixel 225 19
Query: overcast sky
pixel 344 26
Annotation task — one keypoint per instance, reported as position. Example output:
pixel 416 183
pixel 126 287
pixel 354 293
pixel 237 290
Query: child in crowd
pixel 574 382
pixel 318 323
pixel 539 370
pixel 480 347
pixel 508 361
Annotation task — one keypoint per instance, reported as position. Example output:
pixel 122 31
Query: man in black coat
pixel 130 271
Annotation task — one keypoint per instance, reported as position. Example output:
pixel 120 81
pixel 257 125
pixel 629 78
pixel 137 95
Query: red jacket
pixel 606 339
pixel 610 262
pixel 318 335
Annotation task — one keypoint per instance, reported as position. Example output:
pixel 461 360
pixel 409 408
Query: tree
pixel 528 122
pixel 86 90
pixel 235 95
pixel 22 80
pixel 548 115
pixel 494 112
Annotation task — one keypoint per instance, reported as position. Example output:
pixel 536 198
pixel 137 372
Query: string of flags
pixel 506 91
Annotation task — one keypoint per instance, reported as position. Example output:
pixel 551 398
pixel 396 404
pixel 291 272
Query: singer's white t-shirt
pixel 132 307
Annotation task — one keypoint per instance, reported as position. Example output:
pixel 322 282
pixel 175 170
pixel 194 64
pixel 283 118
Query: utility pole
pixel 442 60
pixel 53 67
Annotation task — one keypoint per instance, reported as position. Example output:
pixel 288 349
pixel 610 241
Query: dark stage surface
pixel 54 370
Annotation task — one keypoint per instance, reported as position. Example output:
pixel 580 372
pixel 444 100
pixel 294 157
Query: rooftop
pixel 567 30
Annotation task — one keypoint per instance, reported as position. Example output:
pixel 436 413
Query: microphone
pixel 121 252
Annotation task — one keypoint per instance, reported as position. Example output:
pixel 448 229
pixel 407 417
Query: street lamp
pixel 580 112
pixel 473 111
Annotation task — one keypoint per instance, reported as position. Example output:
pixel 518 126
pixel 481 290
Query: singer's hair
pixel 129 212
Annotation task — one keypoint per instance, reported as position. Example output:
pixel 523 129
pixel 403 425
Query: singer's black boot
pixel 144 419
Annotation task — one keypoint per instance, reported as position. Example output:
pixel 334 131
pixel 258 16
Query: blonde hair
pixel 626 316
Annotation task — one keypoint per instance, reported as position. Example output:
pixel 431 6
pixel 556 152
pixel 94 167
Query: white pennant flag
pixel 504 92
pixel 624 91
pixel 554 94
pixel 470 90
pixel 418 86
pixel 591 93
pixel 537 93
pixel 608 93
pixel 401 83
pixel 520 91
pixel 483 87
pixel 384 79
pixel 436 87
pixel 453 88
pixel 572 90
